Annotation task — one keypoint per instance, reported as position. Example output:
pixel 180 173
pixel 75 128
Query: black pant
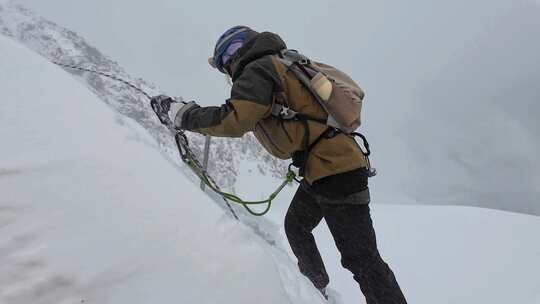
pixel 352 229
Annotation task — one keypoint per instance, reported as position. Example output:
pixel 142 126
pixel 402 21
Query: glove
pixel 170 111
pixel 179 110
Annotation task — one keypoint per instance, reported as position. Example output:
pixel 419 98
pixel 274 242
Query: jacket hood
pixel 255 47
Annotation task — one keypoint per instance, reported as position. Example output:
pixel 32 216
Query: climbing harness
pixel 190 159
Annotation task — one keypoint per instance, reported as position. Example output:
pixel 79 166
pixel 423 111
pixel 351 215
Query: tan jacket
pixel 259 80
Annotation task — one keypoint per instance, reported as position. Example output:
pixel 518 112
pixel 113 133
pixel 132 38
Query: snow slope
pixel 440 254
pixel 90 211
pixel 60 44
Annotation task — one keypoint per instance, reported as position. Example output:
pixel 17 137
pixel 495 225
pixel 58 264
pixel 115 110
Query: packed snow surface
pixel 440 254
pixel 91 211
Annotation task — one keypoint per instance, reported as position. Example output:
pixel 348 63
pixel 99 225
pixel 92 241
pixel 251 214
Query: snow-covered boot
pixel 323 292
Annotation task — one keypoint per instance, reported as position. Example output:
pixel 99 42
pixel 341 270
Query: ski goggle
pixel 226 56
pixel 231 50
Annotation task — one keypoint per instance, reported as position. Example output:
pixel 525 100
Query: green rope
pixel 189 158
pixel 193 163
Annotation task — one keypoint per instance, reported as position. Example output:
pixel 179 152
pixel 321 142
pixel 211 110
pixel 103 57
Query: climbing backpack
pixel 334 90
pixel 339 96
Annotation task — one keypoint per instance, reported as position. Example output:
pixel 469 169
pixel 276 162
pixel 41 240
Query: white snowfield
pixel 90 211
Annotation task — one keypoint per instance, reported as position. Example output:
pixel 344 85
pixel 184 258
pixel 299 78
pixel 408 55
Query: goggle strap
pixel 226 38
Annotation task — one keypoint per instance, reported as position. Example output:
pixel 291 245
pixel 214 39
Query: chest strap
pixel 283 112
pixel 299 158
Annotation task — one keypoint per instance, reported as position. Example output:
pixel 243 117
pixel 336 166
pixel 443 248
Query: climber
pixel 270 100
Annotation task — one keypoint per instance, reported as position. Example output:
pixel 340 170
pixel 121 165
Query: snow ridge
pixel 62 45
pixel 56 43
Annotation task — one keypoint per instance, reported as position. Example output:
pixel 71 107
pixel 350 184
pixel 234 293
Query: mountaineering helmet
pixel 227 45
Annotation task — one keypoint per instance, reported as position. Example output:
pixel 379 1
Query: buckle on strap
pixel 290 57
pixel 283 112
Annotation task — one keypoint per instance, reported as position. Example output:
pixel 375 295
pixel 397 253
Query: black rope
pixel 183 147
pixel 105 75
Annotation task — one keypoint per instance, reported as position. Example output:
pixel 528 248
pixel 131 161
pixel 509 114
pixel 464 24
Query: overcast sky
pixel 452 86
pixel 168 41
